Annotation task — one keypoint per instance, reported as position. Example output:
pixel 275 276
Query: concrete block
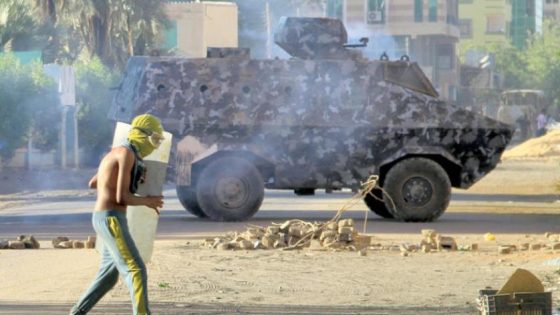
pixel 327 234
pixel 446 242
pixel 280 243
pixel 30 242
pixel 429 233
pixel 296 230
pixel 329 240
pixel 555 246
pixel 92 239
pixel 426 248
pixel 59 239
pixel 345 237
pixel 315 245
pixel 361 241
pixel 285 226
pixel 346 223
pixel 245 244
pixel 268 240
pixel 254 234
pixel 273 229
pixel 65 244
pixel 292 240
pixel 345 230
pixel 504 250
pixel 333 226
pixel 90 244
pixel 536 246
pixel 4 244
pixel 78 244
pixel 474 246
pixel 16 245
pixel 224 246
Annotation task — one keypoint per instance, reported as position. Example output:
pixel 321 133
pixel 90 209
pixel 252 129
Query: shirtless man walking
pixel 116 181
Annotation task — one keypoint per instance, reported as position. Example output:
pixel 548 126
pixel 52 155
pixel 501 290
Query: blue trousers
pixel 119 256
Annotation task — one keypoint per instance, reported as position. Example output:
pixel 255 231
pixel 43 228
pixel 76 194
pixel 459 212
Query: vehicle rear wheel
pixel 187 197
pixel 419 189
pixel 230 189
pixel 375 203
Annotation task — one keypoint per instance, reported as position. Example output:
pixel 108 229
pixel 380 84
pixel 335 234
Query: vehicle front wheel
pixel 375 203
pixel 187 197
pixel 230 189
pixel 419 190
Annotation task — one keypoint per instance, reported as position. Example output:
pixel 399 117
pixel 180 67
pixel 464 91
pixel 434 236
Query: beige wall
pixel 202 25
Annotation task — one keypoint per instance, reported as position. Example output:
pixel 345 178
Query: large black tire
pixel 187 197
pixel 376 204
pixel 419 189
pixel 230 189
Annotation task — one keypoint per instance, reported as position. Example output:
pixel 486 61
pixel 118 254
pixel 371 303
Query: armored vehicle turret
pixel 327 118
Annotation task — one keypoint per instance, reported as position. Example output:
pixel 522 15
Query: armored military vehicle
pixel 326 118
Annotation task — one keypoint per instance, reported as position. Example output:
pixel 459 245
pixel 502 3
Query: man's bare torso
pixel 107 178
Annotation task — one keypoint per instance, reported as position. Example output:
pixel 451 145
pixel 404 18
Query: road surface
pixel 48 217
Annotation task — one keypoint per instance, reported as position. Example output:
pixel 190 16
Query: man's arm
pixel 93 182
pixel 124 196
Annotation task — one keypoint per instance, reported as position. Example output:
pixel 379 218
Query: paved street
pixel 468 213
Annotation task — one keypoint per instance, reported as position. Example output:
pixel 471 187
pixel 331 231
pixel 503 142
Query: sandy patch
pixel 181 271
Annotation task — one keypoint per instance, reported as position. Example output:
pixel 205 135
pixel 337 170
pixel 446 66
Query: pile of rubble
pixel 341 235
pixel 65 242
pixel 554 244
pixel 22 242
pixel 295 234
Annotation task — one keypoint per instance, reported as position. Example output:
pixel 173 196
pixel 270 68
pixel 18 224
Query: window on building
pixel 334 8
pixel 452 12
pixel 495 24
pixel 170 36
pixel 418 10
pixel 444 55
pixel 465 26
pixel 375 12
pixel 432 10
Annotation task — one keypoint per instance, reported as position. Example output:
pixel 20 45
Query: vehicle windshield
pixel 522 98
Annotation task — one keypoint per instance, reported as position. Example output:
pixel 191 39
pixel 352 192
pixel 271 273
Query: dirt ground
pixel 184 272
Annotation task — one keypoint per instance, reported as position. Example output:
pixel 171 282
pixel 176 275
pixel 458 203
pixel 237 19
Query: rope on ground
pixel 366 189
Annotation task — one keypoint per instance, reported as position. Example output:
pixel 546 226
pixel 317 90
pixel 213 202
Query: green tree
pixel 543 61
pixel 112 30
pixel 94 96
pixel 19 29
pixel 28 107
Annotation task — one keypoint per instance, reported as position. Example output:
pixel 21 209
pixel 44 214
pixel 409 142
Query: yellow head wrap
pixel 142 127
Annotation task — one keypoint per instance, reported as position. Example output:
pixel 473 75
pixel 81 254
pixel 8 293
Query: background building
pixel 195 26
pixel 552 9
pixel 526 19
pixel 484 22
pixel 425 30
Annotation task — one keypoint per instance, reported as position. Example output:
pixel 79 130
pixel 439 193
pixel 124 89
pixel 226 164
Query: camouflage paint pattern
pixel 320 122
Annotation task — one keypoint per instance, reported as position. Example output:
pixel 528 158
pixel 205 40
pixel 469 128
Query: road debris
pixel 64 242
pixel 295 234
pixel 22 242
